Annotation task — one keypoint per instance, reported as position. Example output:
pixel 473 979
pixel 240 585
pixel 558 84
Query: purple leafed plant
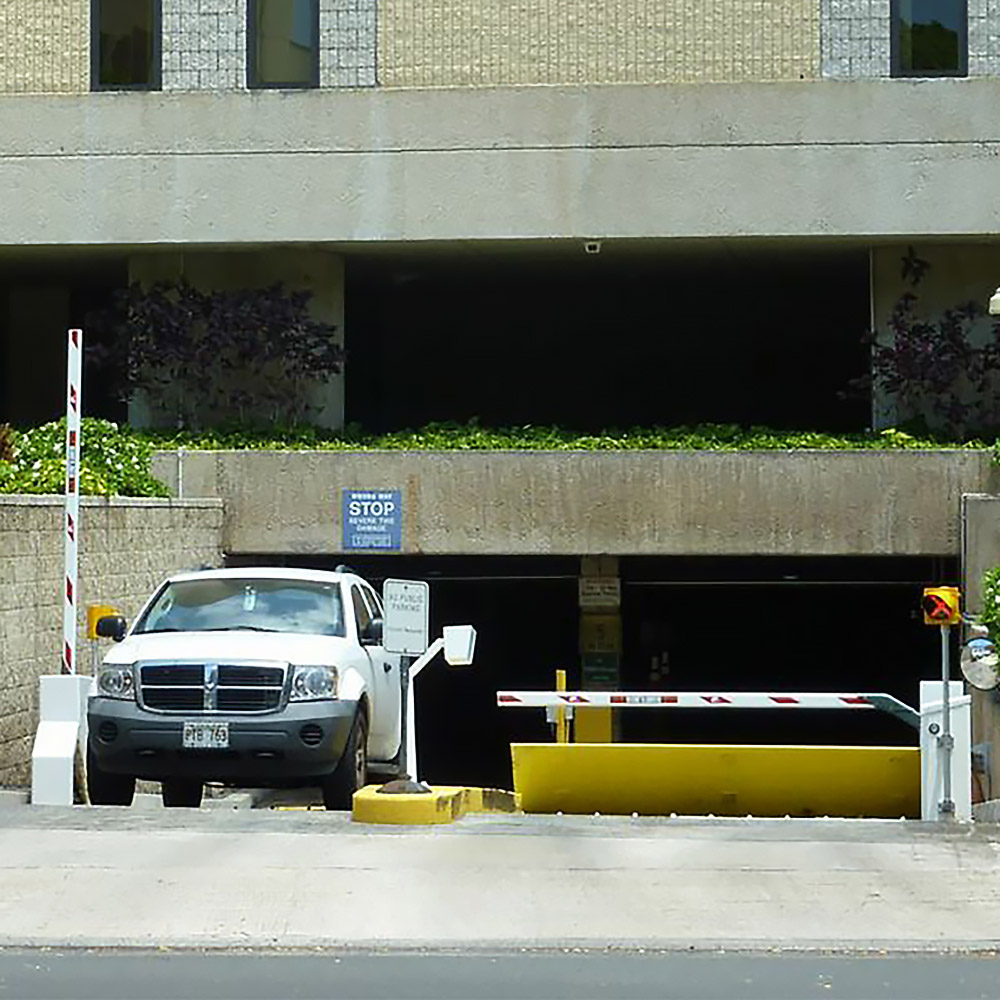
pixel 249 356
pixel 941 380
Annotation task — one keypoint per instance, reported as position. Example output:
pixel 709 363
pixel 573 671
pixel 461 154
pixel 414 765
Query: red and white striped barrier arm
pixel 74 371
pixel 680 699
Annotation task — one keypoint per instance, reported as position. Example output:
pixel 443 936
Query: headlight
pixel 116 682
pixel 311 683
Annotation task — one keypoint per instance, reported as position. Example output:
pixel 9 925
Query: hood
pixel 225 647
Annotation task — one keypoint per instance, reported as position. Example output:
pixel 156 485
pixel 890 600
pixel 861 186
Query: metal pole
pixel 404 688
pixel 946 741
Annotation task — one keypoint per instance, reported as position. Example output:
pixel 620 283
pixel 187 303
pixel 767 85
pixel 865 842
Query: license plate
pixel 206 735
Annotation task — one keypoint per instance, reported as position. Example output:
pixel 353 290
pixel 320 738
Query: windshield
pixel 223 604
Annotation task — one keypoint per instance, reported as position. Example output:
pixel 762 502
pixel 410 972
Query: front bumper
pixel 264 750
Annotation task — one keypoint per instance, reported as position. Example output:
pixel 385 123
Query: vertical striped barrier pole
pixel 74 371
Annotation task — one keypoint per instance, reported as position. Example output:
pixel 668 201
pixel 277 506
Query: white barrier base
pixel 62 727
pixel 931 773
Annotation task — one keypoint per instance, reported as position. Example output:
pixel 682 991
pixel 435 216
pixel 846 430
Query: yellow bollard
pixel 562 723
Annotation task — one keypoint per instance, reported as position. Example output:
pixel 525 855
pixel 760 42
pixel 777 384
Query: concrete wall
pixel 809 160
pixel 44 46
pixel 980 552
pixel 127 548
pixel 583 503
pixel 485 43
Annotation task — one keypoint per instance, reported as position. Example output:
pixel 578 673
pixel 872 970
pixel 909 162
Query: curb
pixel 442 805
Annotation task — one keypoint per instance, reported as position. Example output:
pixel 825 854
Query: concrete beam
pixel 872 159
pixel 575 503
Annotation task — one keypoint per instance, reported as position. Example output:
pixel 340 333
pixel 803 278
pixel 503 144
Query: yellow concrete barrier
pixel 724 780
pixel 443 804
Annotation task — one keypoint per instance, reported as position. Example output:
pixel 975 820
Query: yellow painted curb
pixel 724 780
pixel 443 804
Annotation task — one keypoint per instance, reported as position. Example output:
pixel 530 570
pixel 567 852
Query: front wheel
pixel 352 771
pixel 104 789
pixel 181 792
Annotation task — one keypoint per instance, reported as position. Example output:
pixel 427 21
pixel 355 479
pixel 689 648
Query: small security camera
pixel 592 246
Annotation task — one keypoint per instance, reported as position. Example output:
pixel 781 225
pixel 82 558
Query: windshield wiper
pixel 240 628
pixel 150 631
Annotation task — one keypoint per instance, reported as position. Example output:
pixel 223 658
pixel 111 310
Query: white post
pixel 932 759
pixel 411 714
pixel 74 397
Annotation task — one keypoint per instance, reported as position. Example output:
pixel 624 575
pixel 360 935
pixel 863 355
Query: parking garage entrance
pixel 739 624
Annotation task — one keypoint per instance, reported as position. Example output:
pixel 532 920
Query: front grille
pixel 248 699
pixel 212 687
pixel 239 676
pixel 174 699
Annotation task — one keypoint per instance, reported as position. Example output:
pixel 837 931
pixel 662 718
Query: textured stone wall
pixel 127 548
pixel 44 46
pixel 448 43
pixel 855 38
pixel 204 44
pixel 984 37
pixel 347 39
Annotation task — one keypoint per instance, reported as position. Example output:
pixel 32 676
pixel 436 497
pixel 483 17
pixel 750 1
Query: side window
pixel 125 44
pixel 283 43
pixel 374 602
pixel 930 37
pixel 362 615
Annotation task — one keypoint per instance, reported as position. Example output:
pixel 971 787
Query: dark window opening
pixel 283 43
pixel 125 39
pixel 929 38
pixel 587 343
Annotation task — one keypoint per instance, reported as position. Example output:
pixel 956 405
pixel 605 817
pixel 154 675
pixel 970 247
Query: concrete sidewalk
pixel 258 878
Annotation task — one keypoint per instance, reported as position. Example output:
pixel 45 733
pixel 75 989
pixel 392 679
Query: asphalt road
pixel 82 975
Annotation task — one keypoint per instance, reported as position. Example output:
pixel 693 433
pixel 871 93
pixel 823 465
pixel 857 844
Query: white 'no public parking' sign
pixel 407 617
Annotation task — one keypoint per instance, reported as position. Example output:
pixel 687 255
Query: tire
pixel 352 771
pixel 105 789
pixel 181 792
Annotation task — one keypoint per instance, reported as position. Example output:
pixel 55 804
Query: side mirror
pixel 112 627
pixel 372 634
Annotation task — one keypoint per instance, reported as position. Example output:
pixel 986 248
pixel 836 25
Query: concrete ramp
pixel 721 779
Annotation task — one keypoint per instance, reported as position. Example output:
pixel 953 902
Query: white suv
pixel 261 677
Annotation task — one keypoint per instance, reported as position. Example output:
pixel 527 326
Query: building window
pixel 283 43
pixel 125 44
pixel 930 38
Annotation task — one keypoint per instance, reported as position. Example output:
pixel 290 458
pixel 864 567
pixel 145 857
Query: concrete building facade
pixel 584 212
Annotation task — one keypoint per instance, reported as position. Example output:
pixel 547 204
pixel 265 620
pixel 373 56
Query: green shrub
pixel 472 437
pixel 114 461
pixel 990 615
